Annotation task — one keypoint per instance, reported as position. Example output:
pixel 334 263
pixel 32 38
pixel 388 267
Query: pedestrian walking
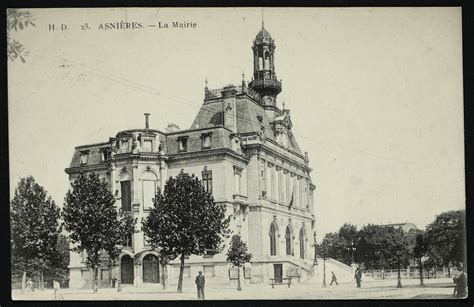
pixel 460 280
pixel 358 277
pixel 334 279
pixel 200 281
pixel 57 293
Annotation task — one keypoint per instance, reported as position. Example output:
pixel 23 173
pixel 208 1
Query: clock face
pixel 268 100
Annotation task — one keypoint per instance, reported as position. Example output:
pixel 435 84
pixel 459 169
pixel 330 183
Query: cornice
pixel 206 154
pixel 279 155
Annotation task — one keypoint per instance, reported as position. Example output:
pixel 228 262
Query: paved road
pixel 386 289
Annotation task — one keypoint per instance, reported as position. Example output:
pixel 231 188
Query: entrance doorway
pixel 278 272
pixel 126 270
pixel 151 269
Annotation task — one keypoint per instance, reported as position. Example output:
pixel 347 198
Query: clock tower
pixel 265 81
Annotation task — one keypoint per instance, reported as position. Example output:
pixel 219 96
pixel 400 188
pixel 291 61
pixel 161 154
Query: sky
pixel 375 96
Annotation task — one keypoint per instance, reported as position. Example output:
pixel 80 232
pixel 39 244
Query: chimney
pixel 147 115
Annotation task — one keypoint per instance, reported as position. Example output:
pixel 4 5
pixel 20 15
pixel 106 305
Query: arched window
pixel 267 61
pixel 289 243
pixel 302 242
pixel 260 63
pixel 273 236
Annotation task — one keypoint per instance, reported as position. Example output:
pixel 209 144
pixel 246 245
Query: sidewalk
pixel 380 289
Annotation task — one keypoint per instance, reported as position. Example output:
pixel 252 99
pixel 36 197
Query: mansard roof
pixel 251 117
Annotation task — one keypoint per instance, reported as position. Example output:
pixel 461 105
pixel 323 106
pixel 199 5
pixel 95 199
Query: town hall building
pixel 243 149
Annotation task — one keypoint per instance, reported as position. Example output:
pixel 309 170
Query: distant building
pixel 243 149
pixel 406 227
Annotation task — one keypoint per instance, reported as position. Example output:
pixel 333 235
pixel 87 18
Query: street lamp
pixel 324 256
pixel 315 245
pixel 399 283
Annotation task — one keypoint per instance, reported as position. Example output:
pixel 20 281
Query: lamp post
pixel 324 256
pixel 399 283
pixel 315 245
pixel 324 271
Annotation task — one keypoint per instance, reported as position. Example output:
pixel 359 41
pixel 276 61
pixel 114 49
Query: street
pixel 441 288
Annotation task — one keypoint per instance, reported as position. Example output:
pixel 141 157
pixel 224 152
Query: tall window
pixel 263 181
pixel 273 237
pixel 288 188
pixel 281 189
pixel 148 189
pixel 268 171
pixel 289 248
pixel 237 180
pixel 302 242
pixel 126 195
pixel 273 186
pixel 207 181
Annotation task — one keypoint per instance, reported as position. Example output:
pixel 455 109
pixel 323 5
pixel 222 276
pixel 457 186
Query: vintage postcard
pixel 236 153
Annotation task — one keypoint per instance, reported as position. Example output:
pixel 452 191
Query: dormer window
pixel 206 140
pixel 147 146
pixel 84 156
pixel 104 154
pixel 183 143
pixel 124 146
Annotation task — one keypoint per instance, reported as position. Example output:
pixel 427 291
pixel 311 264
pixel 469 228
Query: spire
pixel 262 20
pixel 205 81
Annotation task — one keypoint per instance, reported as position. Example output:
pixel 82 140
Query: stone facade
pixel 242 147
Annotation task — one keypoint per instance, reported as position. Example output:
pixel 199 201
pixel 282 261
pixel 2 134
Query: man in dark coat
pixel 358 277
pixel 460 280
pixel 200 281
pixel 333 279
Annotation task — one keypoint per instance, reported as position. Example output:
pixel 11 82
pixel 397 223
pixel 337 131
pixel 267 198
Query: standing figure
pixel 334 279
pixel 358 277
pixel 460 280
pixel 57 293
pixel 200 281
pixel 29 285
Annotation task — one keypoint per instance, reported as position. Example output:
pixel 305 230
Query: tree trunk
pixel 41 281
pixel 449 271
pixel 181 270
pixel 96 277
pixel 239 288
pixel 23 283
pixel 421 274
pixel 93 279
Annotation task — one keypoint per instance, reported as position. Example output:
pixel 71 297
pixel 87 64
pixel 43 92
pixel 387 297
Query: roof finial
pixel 262 18
pixel 147 115
pixel 283 105
pixel 205 81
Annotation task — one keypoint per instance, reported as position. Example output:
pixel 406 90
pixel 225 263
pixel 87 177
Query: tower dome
pixel 263 37
pixel 265 81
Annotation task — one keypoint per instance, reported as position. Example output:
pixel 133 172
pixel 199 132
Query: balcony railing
pixel 266 83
